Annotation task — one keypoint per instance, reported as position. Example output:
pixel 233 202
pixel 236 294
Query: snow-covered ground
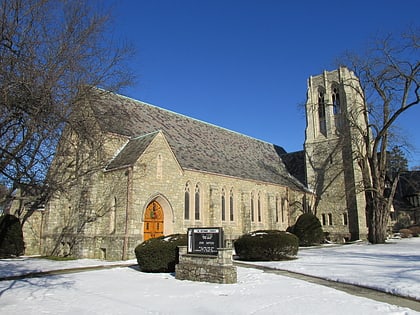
pixel 393 267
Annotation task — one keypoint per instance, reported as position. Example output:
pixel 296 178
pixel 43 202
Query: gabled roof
pixel 131 151
pixel 197 145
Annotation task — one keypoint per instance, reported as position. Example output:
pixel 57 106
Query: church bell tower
pixel 334 109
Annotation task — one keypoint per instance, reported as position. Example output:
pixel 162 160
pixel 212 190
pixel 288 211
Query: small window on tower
pixel 345 220
pixel 336 107
pixel 336 101
pixel 321 112
pixel 330 219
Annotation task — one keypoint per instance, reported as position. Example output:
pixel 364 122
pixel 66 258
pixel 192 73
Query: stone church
pixel 137 171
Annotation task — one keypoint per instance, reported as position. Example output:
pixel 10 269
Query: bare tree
pixel 390 80
pixel 52 53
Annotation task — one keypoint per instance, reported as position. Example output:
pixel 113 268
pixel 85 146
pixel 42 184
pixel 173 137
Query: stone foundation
pixel 206 268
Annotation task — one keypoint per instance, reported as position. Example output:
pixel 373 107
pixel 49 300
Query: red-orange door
pixel 153 221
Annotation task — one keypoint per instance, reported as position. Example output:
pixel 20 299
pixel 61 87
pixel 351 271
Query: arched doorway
pixel 153 221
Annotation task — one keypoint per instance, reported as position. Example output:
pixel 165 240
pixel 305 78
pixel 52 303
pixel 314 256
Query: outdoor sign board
pixel 205 241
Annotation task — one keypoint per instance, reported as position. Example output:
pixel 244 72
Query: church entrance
pixel 153 221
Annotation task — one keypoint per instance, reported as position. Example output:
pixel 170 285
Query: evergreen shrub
pixel 308 229
pixel 11 237
pixel 406 233
pixel 266 245
pixel 160 254
pixel 415 230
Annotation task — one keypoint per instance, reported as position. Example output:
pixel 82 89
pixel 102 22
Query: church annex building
pixel 145 171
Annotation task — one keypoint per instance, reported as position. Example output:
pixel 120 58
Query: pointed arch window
pixel 187 202
pixel 223 205
pixel 277 209
pixel 231 211
pixel 259 208
pixel 336 106
pixel 252 208
pixel 197 203
pixel 321 112
pixel 336 100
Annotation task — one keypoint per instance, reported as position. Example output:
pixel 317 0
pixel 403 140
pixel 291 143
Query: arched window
pixel 321 112
pixel 187 202
pixel 336 106
pixel 336 100
pixel 197 203
pixel 252 208
pixel 231 212
pixel 277 208
pixel 223 205
pixel 259 208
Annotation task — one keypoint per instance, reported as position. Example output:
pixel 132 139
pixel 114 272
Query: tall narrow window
pixel 345 218
pixel 336 101
pixel 113 216
pixel 321 112
pixel 187 202
pixel 159 167
pixel 231 212
pixel 197 203
pixel 277 209
pixel 223 205
pixel 252 208
pixel 324 219
pixel 259 208
pixel 330 221
pixel 283 209
pixel 336 107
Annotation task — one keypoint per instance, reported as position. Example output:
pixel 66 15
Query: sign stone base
pixel 206 268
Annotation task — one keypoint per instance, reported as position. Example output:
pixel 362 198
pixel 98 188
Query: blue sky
pixel 244 64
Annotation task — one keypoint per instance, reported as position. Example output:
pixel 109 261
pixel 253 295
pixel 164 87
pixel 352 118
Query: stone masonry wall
pixel 206 268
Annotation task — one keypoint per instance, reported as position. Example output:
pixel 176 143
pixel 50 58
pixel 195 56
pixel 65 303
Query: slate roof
pixel 197 145
pixel 295 164
pixel 131 151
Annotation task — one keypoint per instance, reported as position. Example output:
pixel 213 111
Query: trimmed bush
pixel 11 237
pixel 160 254
pixel 405 233
pixel 266 245
pixel 415 230
pixel 308 229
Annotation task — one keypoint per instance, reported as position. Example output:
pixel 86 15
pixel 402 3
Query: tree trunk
pixel 377 212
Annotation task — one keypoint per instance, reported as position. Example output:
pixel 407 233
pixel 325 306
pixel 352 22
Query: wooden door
pixel 153 221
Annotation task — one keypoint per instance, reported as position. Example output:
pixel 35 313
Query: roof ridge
pixel 192 118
